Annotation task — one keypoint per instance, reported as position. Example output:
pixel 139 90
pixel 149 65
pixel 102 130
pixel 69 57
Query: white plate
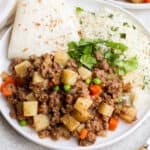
pixel 129 5
pixel 123 130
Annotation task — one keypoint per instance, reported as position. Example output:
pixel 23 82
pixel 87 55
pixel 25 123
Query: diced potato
pixel 31 97
pixel 82 104
pixel 128 114
pixel 30 108
pixel 70 122
pixel 82 117
pixel 41 122
pixel 105 109
pixel 61 57
pixel 69 77
pixel 37 78
pixel 85 73
pixel 21 69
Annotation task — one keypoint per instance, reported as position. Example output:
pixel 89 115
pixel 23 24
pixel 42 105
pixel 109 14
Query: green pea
pixel 97 81
pixel 56 88
pixel 23 122
pixel 67 88
pixel 87 81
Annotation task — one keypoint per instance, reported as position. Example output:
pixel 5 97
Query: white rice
pixel 100 24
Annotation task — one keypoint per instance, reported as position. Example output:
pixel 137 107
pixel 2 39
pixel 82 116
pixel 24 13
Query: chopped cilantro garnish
pixel 114 29
pixel 126 24
pixel 81 22
pixel 93 13
pixel 134 27
pixel 79 9
pixel 110 15
pixel 123 35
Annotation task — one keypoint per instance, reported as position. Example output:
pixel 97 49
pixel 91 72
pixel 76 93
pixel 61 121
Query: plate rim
pixel 102 145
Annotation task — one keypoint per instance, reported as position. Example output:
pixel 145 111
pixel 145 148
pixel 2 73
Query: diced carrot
pixel 95 89
pixel 113 123
pixel 83 134
pixel 146 1
pixel 6 91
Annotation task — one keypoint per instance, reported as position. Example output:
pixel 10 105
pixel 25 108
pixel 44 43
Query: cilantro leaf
pixel 116 45
pixel 125 66
pixel 79 9
pixel 88 61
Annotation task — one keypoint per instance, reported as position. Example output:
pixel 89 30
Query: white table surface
pixel 11 140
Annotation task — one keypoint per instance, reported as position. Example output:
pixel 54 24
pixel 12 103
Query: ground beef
pixel 91 138
pixel 43 134
pixel 80 89
pixel 56 103
pixel 55 133
pixel 71 65
pixel 43 108
pixel 13 113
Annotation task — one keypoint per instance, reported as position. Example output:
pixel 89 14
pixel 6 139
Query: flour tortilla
pixel 42 26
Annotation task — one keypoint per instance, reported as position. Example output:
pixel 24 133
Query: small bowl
pixel 129 5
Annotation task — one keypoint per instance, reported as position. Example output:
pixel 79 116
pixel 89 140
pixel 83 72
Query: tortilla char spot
pixel 39 1
pixel 37 24
pixel 62 44
pixel 25 29
pixel 25 49
pixel 24 4
pixel 80 33
pixel 46 42
pixel 39 36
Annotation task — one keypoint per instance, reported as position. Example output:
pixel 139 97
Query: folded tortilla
pixel 42 26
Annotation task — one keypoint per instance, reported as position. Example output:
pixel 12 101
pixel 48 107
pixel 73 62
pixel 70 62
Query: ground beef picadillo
pixel 57 103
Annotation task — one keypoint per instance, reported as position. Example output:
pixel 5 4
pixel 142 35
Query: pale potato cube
pixel 61 57
pixel 31 97
pixel 82 104
pixel 37 78
pixel 30 108
pixel 128 114
pixel 21 69
pixel 82 126
pixel 106 109
pixel 41 122
pixel 70 122
pixel 85 73
pixel 81 117
pixel 69 77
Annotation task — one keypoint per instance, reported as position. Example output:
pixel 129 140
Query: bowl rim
pixel 7 13
pixel 102 145
pixel 143 6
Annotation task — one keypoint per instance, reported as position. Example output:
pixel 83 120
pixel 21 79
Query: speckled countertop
pixel 11 140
